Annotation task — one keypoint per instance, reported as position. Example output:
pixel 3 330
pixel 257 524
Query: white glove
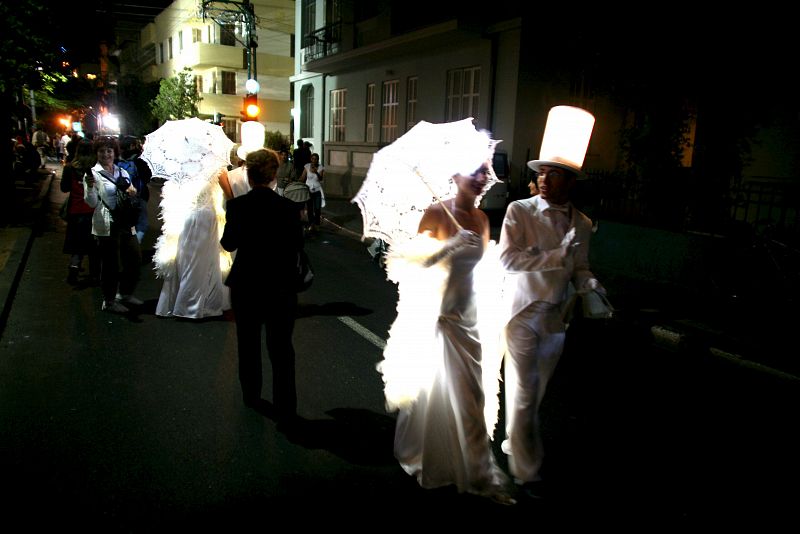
pixel 593 284
pixel 569 239
pixel 567 245
pixel 464 238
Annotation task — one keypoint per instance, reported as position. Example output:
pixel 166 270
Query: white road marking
pixel 363 332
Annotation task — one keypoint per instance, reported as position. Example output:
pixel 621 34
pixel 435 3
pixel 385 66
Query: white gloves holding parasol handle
pixel 463 238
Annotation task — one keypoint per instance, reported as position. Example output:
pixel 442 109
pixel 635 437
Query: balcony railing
pixel 322 42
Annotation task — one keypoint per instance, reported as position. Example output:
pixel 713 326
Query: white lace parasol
pixel 417 170
pixel 187 149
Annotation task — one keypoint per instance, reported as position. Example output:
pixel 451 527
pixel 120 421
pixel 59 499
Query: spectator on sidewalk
pixel 286 172
pixel 120 256
pixel 42 142
pixel 313 175
pixel 79 241
pixel 140 175
pixel 301 156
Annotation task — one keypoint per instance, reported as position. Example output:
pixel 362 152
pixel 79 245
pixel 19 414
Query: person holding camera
pixel 313 176
pixel 120 257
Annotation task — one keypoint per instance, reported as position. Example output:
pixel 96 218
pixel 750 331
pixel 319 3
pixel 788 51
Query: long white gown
pixel 433 373
pixel 189 256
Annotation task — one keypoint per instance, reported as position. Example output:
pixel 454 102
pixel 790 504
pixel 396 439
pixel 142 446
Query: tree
pixel 276 141
pixel 133 101
pixel 177 98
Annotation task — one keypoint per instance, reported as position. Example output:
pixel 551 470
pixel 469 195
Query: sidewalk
pixel 21 227
pixel 675 317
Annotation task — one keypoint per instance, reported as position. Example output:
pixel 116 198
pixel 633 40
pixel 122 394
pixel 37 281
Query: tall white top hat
pixel 566 139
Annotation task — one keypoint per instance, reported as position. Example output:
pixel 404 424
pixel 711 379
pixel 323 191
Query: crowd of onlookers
pixel 31 153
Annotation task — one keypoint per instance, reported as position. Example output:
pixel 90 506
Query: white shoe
pixel 129 299
pixel 114 307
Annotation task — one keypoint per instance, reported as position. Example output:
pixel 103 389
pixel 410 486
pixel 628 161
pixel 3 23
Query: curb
pixel 15 248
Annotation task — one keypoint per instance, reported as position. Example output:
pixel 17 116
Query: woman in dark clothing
pixel 79 241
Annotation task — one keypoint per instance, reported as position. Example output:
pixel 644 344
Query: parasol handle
pixel 439 200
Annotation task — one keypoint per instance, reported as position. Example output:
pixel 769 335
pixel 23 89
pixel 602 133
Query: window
pixel 228 82
pixel 338 109
pixel 227 35
pixel 369 136
pixel 308 19
pixel 180 41
pixel 170 47
pixel 198 82
pixel 210 36
pixel 229 127
pixel 411 103
pixel 389 112
pixel 463 92
pixel 307 111
pixel 161 52
pixel 197 35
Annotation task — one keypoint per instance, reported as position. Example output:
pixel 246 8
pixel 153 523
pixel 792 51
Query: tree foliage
pixel 276 140
pixel 177 98
pixel 133 101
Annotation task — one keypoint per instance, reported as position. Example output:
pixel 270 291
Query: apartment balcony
pixel 331 49
pixel 204 55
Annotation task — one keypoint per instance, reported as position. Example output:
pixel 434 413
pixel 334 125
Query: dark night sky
pixel 82 25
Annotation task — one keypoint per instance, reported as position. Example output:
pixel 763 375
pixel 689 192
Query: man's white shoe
pixel 114 307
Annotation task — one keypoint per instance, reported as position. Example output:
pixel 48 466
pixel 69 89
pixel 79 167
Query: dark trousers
pixel 120 263
pixel 275 313
pixel 314 206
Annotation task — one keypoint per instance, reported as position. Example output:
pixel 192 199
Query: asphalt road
pixel 135 423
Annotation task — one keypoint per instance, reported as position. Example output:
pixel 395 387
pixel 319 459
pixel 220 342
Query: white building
pixel 214 48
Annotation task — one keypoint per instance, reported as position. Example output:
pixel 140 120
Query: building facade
pixel 212 43
pixel 366 72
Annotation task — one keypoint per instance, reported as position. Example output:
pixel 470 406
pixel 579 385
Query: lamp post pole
pixel 232 11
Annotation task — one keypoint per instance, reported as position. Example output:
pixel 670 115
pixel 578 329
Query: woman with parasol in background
pixel 192 155
pixel 432 366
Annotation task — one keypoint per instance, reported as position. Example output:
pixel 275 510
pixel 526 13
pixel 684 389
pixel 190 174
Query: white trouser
pixel 535 339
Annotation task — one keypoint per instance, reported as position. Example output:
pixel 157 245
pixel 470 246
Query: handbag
pixel 127 207
pixel 594 305
pixel 305 273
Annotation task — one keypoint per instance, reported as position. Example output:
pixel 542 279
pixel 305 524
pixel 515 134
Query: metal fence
pixel 676 204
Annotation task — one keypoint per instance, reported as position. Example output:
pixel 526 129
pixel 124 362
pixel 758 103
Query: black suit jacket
pixel 264 229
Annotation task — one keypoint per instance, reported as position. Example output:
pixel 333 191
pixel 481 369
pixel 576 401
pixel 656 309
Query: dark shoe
pixel 264 407
pixel 294 429
pixel 534 490
pixel 251 400
pixel 502 497
pixel 114 307
pixel 72 275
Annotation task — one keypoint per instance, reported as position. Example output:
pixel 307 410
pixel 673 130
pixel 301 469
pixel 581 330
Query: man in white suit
pixel 544 245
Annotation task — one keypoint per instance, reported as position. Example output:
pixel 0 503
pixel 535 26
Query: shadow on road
pixel 356 435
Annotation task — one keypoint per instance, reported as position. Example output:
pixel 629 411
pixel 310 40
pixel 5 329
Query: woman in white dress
pixel 234 182
pixel 441 436
pixel 188 255
pixel 313 176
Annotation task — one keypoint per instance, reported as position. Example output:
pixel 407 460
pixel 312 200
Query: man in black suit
pixel 265 230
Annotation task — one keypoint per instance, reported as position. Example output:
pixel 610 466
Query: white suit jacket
pixel 529 244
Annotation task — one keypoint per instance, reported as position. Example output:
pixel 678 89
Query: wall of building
pixel 207 58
